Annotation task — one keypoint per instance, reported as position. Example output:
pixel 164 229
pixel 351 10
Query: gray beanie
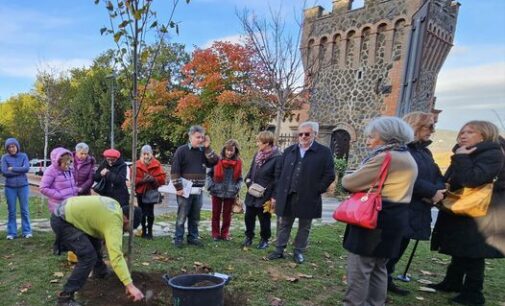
pixel 146 149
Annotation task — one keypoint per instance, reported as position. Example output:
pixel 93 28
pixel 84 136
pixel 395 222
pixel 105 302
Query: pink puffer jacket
pixel 56 184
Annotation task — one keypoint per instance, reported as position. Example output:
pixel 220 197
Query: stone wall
pixel 355 62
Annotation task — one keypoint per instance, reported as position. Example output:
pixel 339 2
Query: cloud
pixel 236 39
pixel 17 67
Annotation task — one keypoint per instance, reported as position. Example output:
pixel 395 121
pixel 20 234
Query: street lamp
pixel 112 76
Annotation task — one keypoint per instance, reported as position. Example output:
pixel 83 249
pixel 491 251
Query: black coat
pixel 317 173
pixel 115 181
pixel 482 237
pixel 264 176
pixel 429 180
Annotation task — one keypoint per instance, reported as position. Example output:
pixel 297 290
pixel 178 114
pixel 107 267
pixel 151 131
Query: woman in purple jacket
pixel 15 165
pixel 58 181
pixel 84 169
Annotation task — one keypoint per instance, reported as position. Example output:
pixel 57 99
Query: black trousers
pixel 250 222
pixel 147 215
pixel 390 265
pixel 88 250
pixel 467 273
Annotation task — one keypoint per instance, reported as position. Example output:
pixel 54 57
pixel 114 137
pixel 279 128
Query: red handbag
pixel 362 208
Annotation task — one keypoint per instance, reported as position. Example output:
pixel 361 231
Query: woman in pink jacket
pixel 58 181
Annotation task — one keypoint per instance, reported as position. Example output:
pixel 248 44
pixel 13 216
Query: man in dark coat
pixel 304 172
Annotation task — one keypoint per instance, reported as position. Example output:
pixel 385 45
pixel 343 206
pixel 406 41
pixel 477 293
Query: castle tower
pixel 381 59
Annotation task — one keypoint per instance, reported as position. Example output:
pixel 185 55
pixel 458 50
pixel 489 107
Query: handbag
pixel 151 196
pixel 256 190
pixel 362 208
pixel 99 187
pixel 238 206
pixel 470 202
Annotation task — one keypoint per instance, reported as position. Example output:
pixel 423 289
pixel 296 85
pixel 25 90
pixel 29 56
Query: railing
pixel 285 140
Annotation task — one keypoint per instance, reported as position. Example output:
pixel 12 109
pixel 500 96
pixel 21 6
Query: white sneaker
pixel 28 236
pixel 10 237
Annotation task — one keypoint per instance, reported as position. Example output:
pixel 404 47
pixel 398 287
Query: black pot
pixel 196 290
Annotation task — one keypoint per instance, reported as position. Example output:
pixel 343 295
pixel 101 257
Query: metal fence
pixel 285 140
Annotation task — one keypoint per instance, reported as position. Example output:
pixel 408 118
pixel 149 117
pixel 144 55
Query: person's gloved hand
pixel 134 293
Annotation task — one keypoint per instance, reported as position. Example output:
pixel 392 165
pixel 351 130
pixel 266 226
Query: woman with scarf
pixel 370 249
pixel 223 183
pixel 262 172
pixel 84 168
pixel 149 176
pixel 429 189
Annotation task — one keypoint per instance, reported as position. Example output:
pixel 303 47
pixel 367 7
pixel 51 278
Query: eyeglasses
pixel 306 134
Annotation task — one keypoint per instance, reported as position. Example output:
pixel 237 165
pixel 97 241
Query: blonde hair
pixel 488 130
pixel 417 120
pixel 266 137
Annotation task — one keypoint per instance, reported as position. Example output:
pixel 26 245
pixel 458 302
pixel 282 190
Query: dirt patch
pixel 106 292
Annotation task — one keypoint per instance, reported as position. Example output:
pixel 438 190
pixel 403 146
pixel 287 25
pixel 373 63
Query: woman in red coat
pixel 149 176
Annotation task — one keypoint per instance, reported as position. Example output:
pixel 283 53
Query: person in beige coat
pixel 370 249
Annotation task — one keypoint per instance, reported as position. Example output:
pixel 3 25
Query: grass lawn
pixel 27 270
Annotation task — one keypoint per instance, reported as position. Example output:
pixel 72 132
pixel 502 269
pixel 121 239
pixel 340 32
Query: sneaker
pixel 28 236
pixel 10 237
pixel 67 299
pixel 263 244
pixel 215 238
pixel 247 242
pixel 226 238
pixel 274 256
pixel 178 244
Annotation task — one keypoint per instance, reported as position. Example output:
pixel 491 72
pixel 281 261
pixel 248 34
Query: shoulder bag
pixel 362 208
pixel 470 202
pixel 99 187
pixel 151 196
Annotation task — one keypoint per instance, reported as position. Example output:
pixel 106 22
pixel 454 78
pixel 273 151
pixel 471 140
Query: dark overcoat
pixel 115 181
pixel 429 180
pixel 264 176
pixel 317 173
pixel 482 237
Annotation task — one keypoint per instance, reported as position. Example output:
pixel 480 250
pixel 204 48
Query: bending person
pixel 81 224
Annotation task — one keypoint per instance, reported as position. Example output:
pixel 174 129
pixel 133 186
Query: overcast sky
pixel 63 34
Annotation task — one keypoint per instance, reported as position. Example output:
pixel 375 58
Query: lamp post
pixel 112 76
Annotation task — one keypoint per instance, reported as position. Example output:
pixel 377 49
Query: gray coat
pixel 227 189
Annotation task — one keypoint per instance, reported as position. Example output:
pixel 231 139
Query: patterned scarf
pixel 263 156
pixel 384 148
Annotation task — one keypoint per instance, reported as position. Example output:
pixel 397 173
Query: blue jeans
pixel 188 209
pixel 12 194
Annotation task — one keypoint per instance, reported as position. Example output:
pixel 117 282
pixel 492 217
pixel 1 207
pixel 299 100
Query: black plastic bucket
pixel 196 290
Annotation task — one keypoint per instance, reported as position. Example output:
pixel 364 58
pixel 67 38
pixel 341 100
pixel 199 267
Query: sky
pixel 62 34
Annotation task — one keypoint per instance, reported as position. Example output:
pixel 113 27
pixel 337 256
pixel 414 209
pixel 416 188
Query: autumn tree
pixel 224 75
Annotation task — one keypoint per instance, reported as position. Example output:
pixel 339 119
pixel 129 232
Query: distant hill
pixel 443 142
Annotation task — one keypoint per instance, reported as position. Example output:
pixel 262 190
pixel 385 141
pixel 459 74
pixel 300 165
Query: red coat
pixel 154 169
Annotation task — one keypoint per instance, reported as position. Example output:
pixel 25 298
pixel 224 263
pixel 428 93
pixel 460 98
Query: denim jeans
pixel 188 209
pixel 12 194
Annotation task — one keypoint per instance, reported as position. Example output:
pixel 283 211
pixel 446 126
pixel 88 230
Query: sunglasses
pixel 306 134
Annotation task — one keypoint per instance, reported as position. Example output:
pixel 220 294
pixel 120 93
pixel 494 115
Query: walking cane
pixel 404 277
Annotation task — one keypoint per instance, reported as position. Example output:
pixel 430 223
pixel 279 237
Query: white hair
pixel 391 130
pixel 312 124
pixel 81 146
pixel 146 149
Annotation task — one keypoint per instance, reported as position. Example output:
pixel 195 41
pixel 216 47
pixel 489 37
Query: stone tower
pixel 380 59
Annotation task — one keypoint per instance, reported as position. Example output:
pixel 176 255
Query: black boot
pixel 469 298
pixel 392 288
pixel 453 280
pixel 150 222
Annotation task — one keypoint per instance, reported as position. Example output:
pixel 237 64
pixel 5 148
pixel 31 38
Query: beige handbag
pixel 256 190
